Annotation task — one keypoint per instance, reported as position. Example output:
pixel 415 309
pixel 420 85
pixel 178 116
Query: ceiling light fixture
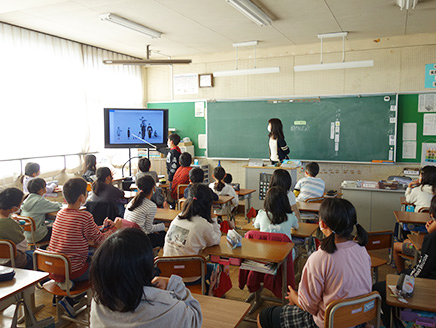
pixel 340 65
pixel 407 4
pixel 249 71
pixel 146 61
pixel 115 19
pixel 252 11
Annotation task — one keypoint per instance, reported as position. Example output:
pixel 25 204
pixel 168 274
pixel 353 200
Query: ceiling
pixel 196 27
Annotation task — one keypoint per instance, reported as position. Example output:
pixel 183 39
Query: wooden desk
pixel 304 230
pixel 245 195
pixel 422 299
pixel 416 240
pixel 220 312
pixel 309 207
pixel 22 288
pixel 167 215
pixel 411 217
pixel 256 250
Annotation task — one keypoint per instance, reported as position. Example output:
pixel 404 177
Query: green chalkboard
pixel 181 116
pixel 408 113
pixel 238 129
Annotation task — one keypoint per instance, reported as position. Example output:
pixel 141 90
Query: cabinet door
pixel 384 203
pixel 361 199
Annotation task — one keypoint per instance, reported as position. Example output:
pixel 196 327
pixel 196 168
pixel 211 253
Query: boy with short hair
pixel 182 174
pixel 309 186
pixel 73 229
pixel 196 175
pixel 173 155
pixel 10 201
pixel 31 171
pixel 144 165
pixel 36 206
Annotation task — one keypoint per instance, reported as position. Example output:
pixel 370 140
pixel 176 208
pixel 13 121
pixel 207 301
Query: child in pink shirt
pixel 340 269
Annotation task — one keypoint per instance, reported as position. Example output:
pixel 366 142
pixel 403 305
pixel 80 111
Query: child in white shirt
pixel 310 186
pixel 223 189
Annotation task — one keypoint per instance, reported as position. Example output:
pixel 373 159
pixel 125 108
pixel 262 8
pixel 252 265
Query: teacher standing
pixel 278 149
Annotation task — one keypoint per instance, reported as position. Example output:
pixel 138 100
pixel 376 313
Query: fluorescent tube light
pixel 245 44
pixel 332 35
pixel 252 11
pixel 115 19
pixel 407 4
pixel 340 65
pixel 250 71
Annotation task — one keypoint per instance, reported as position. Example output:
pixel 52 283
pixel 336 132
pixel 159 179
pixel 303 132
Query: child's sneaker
pixel 68 307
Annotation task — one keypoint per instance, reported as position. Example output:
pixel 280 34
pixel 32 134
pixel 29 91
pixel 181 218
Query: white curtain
pixel 52 95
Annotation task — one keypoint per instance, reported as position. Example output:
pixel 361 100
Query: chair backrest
pixel 29 226
pixel 101 211
pixel 379 240
pixel 183 266
pixel 181 190
pixel 55 263
pixel 424 210
pixel 354 311
pixel 8 250
pixel 314 200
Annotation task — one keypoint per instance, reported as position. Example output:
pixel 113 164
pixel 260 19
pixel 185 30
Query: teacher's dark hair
pixel 120 269
pixel 340 216
pixel 276 129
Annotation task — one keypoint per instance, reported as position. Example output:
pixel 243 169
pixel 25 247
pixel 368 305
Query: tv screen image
pixel 135 127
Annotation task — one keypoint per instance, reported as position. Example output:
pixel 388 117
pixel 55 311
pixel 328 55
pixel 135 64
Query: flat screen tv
pixel 135 128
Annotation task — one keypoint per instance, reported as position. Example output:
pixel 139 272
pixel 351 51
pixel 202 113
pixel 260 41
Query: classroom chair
pixel 254 279
pixel 353 311
pixel 379 240
pixel 181 190
pixel 424 210
pixel 185 267
pixel 8 250
pixel 59 264
pixel 30 226
pixel 102 210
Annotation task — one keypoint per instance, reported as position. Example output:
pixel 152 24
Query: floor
pixel 235 294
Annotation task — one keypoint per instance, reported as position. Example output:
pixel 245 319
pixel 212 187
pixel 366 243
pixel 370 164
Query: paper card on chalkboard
pixel 336 137
pixel 332 130
pixel 392 140
pixel 336 146
pixel 392 119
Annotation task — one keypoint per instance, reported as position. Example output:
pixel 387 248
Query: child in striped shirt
pixel 142 210
pixel 309 186
pixel 73 229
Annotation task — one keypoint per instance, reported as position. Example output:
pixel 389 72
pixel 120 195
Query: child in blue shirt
pixel 277 215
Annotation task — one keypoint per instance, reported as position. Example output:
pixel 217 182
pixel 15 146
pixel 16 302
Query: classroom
pixel 354 83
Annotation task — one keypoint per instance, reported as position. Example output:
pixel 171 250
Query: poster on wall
pixel 430 76
pixel 427 103
pixel 185 84
pixel 428 154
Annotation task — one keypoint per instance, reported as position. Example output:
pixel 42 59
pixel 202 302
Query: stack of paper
pixel 269 268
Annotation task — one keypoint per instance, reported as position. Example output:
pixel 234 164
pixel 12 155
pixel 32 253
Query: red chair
pixel 254 279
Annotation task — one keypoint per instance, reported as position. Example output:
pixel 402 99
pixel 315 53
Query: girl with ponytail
pixel 195 228
pixel 142 211
pixel 340 268
pixel 223 189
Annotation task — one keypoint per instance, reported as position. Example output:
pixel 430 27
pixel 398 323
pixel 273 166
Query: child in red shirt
pixel 182 174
